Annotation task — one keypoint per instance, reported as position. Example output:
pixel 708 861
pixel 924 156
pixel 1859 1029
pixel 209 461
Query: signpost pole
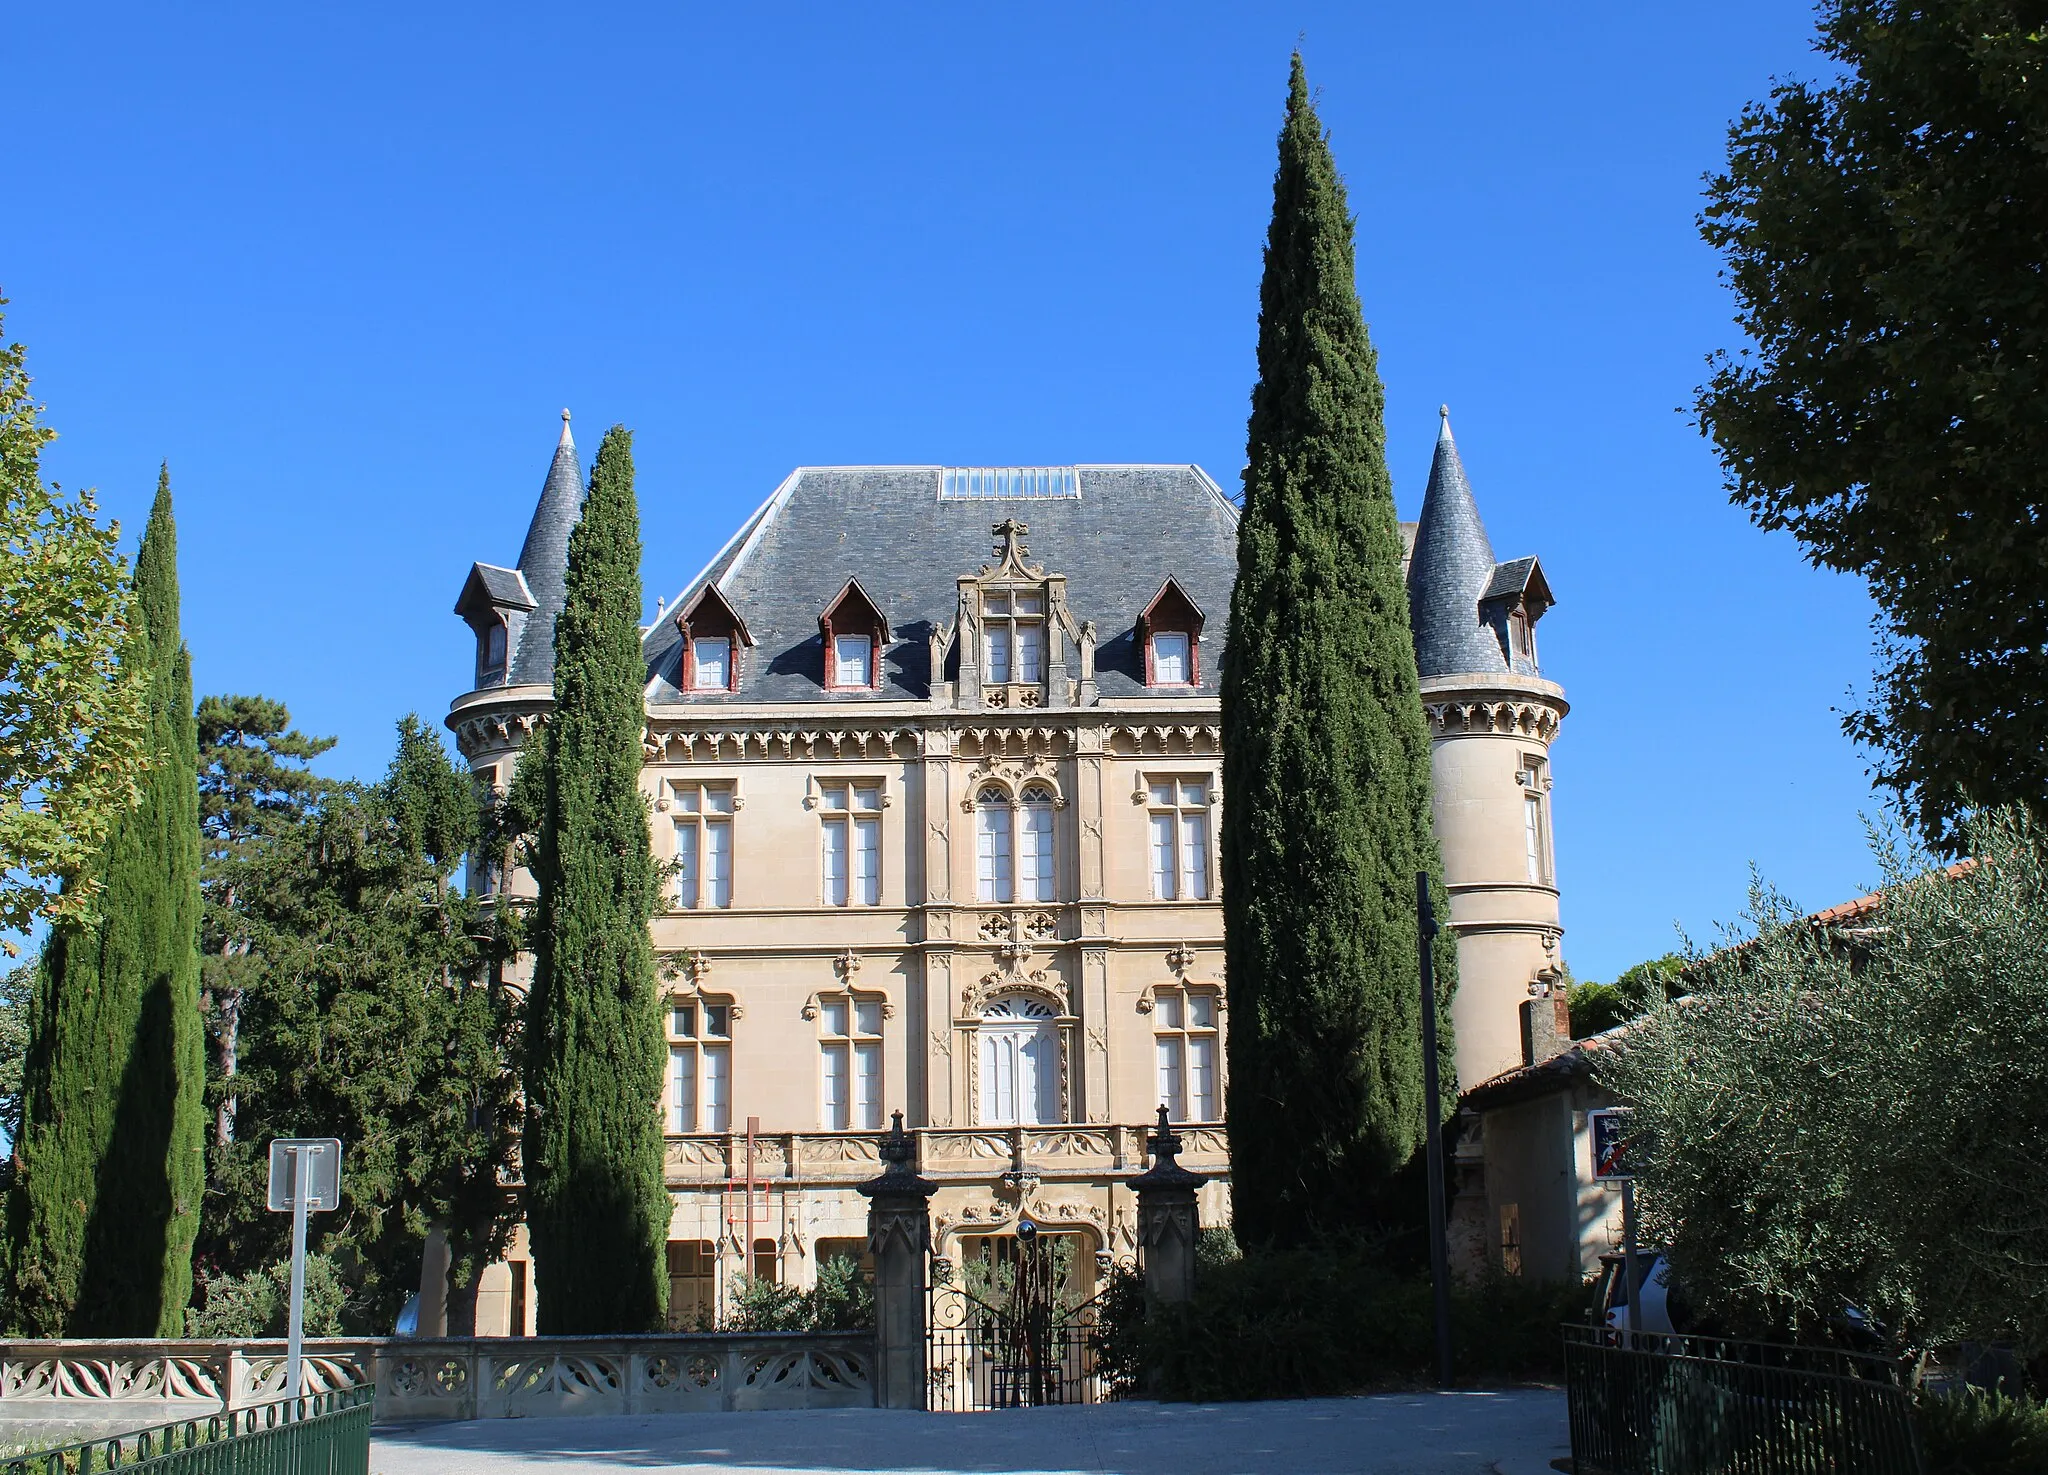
pixel 1631 1279
pixel 296 1327
pixel 1439 1256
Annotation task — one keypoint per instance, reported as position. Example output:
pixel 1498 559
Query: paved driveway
pixel 1507 1433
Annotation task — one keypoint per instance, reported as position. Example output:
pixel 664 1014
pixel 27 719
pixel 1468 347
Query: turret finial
pixel 1444 431
pixel 565 440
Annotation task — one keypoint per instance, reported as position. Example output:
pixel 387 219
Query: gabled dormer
pixel 495 603
pixel 1170 635
pixel 713 637
pixel 855 630
pixel 1514 601
pixel 1018 643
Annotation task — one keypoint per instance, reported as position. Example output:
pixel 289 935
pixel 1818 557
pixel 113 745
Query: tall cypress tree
pixel 113 1138
pixel 597 1210
pixel 1325 755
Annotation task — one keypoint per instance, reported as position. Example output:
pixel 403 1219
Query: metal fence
pixel 1647 1404
pixel 324 1434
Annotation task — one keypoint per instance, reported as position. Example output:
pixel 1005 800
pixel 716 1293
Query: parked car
pixel 1662 1306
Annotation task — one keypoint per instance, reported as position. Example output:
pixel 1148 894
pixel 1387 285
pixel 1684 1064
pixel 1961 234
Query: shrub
pixel 842 1300
pixel 1984 1434
pixel 259 1304
pixel 1331 1318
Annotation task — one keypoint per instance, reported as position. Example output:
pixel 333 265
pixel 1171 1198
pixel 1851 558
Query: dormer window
pixel 852 660
pixel 711 663
pixel 1170 631
pixel 713 635
pixel 1016 638
pixel 1522 633
pixel 1514 601
pixel 490 665
pixel 854 629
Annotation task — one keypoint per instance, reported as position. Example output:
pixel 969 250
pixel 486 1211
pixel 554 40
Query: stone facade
pixel 934 754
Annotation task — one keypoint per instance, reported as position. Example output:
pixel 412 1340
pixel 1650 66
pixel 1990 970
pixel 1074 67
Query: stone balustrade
pixel 942 1152
pixel 82 1389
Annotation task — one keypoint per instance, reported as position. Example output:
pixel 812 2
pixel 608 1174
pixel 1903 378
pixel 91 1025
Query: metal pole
pixel 1439 1255
pixel 295 1333
pixel 1630 1280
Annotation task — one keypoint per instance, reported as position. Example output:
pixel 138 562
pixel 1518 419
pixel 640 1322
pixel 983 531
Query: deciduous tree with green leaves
pixel 597 1207
pixel 72 719
pixel 1326 758
pixel 112 1156
pixel 1884 237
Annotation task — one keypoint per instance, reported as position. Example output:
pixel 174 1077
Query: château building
pixel 934 756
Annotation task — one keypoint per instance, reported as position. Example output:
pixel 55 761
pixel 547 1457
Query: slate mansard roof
pixel 1127 531
pixel 1458 596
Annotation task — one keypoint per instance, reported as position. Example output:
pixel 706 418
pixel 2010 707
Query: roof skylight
pixel 1008 483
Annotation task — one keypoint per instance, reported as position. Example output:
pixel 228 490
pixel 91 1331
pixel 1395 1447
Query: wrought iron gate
pixel 1014 1346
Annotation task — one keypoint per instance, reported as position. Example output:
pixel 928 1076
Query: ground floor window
pixel 692 1285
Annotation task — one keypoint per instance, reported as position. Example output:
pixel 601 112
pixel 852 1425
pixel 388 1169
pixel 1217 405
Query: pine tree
pixel 113 1142
pixel 1326 756
pixel 597 1209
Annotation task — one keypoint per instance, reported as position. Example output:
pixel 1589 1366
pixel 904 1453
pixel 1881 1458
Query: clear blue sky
pixel 342 266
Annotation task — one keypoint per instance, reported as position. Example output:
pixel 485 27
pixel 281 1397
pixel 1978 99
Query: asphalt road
pixel 1515 1432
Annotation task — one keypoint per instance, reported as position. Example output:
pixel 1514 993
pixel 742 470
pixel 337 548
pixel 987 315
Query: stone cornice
pixel 1516 706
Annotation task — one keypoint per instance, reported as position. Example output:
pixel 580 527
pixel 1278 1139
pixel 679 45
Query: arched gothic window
pixel 1020 1045
pixel 995 875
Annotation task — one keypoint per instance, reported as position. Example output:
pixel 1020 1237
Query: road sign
pixel 312 1161
pixel 1610 1127
pixel 305 1177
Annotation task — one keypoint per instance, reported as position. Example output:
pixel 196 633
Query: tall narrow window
pixel 1016 638
pixel 994 875
pixel 1178 834
pixel 1187 1044
pixel 850 1054
pixel 702 816
pixel 492 666
pixel 1035 852
pixel 699 1067
pixel 1535 821
pixel 850 833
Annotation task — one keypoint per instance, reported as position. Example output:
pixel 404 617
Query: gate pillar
pixel 900 1239
pixel 1168 1218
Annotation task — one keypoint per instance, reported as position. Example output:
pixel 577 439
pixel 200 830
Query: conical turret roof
pixel 1449 574
pixel 544 561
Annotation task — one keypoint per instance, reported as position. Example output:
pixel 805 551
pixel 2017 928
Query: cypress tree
pixel 113 1139
pixel 1325 755
pixel 596 1205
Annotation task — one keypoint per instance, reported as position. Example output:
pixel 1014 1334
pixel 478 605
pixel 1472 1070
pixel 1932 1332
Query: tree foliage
pixel 112 1166
pixel 370 1006
pixel 72 717
pixel 1884 237
pixel 1326 757
pixel 1860 1120
pixel 597 1206
pixel 1596 1007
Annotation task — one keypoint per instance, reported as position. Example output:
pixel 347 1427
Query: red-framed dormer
pixel 1170 630
pixel 713 635
pixel 855 631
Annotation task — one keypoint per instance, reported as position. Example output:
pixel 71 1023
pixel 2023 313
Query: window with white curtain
pixel 1535 821
pixel 1035 848
pixel 1178 836
pixel 994 873
pixel 851 657
pixel 1188 1046
pixel 1019 1063
pixel 850 1062
pixel 702 816
pixel 699 1066
pixel 711 663
pixel 850 841
pixel 1170 666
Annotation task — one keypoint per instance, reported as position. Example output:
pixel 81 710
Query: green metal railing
pixel 1641 1403
pixel 321 1434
